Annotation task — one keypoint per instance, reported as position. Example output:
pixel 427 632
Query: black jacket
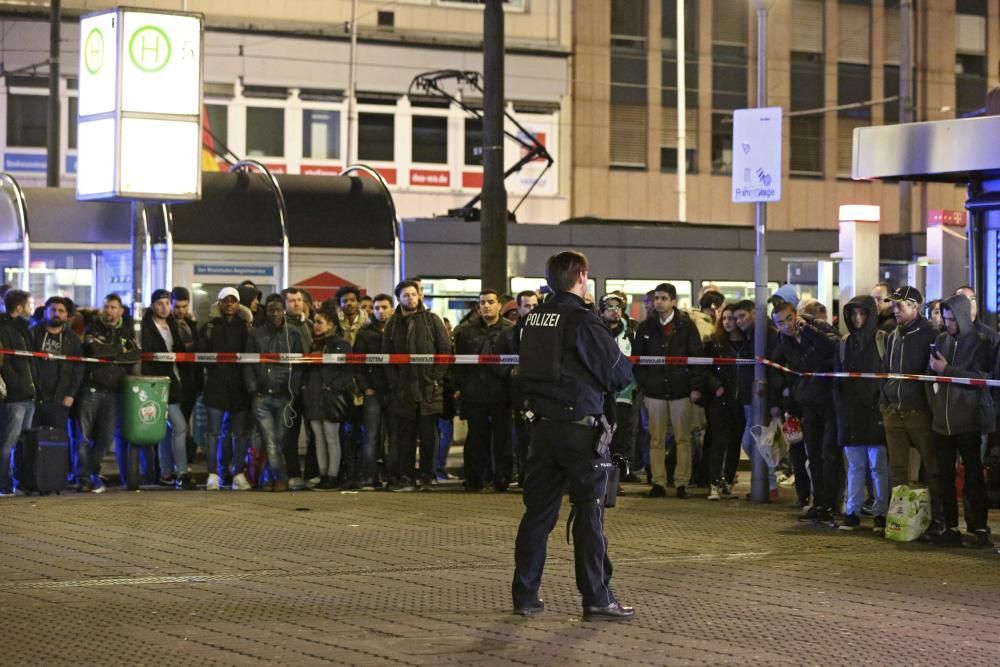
pixel 422 332
pixel 812 352
pixel 724 375
pixel 960 408
pixel 320 378
pixel 115 344
pixel 225 388
pixel 192 374
pixel 19 373
pixel 152 341
pixel 669 382
pixel 279 380
pixel 856 399
pixel 370 376
pixel 57 379
pixel 480 383
pixel 907 351
pixel 570 366
pixel 508 342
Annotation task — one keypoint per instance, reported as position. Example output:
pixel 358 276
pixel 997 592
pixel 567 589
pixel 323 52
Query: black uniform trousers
pixel 563 453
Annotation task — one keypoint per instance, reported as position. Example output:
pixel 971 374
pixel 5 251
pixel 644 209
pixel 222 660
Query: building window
pixel 854 85
pixel 668 139
pixel 970 84
pixel 265 132
pixel 72 119
pixel 376 136
pixel 722 143
pixel 218 123
pixel 320 134
pixel 430 139
pixel 629 81
pixel 27 120
pixel 806 79
pixel 474 141
pixel 668 35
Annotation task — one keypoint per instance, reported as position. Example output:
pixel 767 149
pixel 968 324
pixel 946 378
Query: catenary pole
pixel 52 135
pixel 760 488
pixel 493 221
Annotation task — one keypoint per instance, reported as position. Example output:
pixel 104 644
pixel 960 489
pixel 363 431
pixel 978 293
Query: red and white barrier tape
pixel 474 360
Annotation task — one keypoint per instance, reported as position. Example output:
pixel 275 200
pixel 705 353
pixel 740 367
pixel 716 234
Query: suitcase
pixel 42 460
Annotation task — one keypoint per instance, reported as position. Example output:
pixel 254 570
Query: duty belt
pixel 587 421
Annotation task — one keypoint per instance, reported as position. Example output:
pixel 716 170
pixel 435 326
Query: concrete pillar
pixel 859 258
pixel 824 285
pixel 947 253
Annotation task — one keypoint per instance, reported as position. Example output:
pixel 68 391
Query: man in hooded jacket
pixel 858 418
pixel 962 414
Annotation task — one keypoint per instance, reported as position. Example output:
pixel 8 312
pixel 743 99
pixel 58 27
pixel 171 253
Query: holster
pixel 604 431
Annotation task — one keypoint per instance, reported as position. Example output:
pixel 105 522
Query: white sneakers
pixel 713 492
pixel 296 484
pixel 213 483
pixel 240 483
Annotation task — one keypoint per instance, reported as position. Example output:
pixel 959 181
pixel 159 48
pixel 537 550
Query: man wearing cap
pixel 225 391
pixel 160 334
pixel 58 381
pixel 906 413
pixel 611 308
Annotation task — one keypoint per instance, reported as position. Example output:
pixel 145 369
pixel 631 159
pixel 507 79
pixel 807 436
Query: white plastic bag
pixel 909 514
pixel 766 440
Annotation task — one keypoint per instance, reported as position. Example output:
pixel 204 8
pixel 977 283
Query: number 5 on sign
pixel 757 155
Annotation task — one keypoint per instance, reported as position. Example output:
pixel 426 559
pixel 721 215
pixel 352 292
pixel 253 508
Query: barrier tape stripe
pixel 477 359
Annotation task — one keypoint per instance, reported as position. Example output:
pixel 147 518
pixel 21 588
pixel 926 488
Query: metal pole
pixel 905 104
pixel 681 116
pixel 493 223
pixel 760 487
pixel 138 237
pixel 52 138
pixel 352 109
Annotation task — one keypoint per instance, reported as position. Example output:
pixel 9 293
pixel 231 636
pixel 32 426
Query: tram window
pixel 27 120
pixel 736 290
pixel 321 134
pixel 46 281
pixel 265 131
pixel 218 122
pixel 430 139
pixel 376 134
pixel 636 290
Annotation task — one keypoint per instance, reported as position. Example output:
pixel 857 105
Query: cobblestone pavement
pixel 165 578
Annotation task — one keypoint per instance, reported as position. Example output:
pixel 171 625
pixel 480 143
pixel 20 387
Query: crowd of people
pixel 371 426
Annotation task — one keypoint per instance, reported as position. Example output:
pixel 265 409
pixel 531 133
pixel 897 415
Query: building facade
pixel 824 57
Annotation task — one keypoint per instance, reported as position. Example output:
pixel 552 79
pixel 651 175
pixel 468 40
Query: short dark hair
pixel 348 289
pixel 563 269
pixel 489 290
pixel 711 299
pixel 403 284
pixel 380 297
pixel 366 298
pixel 114 297
pixel 746 305
pixel 66 303
pixel 525 293
pixel 668 288
pixel 14 298
pixel 782 307
pixel 888 286
pixel 273 297
pixel 290 290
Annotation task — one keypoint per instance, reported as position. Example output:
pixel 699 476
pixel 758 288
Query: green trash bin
pixel 144 402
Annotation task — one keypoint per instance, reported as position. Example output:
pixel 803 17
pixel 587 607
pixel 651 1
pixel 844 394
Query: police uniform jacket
pixel 568 360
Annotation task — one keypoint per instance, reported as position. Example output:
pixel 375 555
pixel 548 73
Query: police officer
pixel 569 365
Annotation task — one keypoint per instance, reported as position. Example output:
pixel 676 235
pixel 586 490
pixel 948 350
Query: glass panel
pixel 27 120
pixel 430 139
pixel 376 134
pixel 265 132
pixel 218 122
pixel 72 113
pixel 474 141
pixel 321 134
pixel 735 290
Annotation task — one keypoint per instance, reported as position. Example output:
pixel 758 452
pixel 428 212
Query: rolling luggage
pixel 42 458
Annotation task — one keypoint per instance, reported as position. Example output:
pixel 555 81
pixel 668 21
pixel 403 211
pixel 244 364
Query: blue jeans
pixel 173 447
pixel 98 420
pixel 446 433
pixel 270 412
pixel 14 418
pixel 234 440
pixel 376 421
pixel 748 446
pixel 861 458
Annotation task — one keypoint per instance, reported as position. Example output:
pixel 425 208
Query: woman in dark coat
pixel 725 409
pixel 325 396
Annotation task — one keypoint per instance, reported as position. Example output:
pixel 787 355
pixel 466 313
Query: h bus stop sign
pixel 756 155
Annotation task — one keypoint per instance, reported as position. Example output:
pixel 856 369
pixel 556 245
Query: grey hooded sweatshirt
pixel 962 408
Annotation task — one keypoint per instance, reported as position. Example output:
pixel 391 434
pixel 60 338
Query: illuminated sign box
pixel 139 128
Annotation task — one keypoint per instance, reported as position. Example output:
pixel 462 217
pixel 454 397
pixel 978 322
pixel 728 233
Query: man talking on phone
pixel 905 411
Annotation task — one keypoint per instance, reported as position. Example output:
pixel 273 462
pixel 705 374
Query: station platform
pixel 162 577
